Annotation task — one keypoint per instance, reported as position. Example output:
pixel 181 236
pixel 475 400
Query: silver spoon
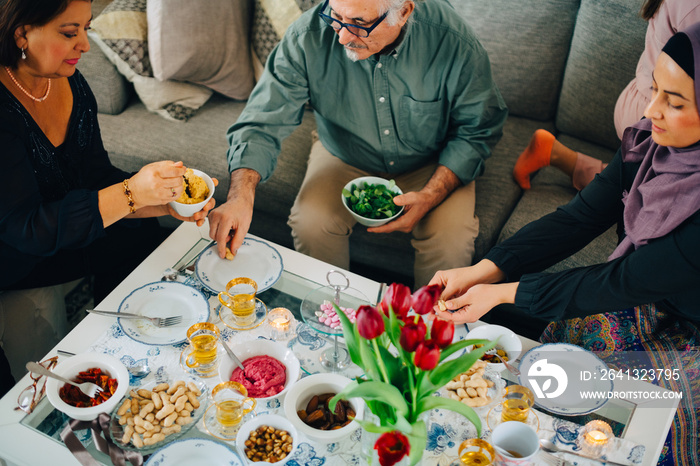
pixel 513 370
pixel 233 356
pixel 550 447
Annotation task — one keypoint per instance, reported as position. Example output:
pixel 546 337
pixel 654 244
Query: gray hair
pixel 393 9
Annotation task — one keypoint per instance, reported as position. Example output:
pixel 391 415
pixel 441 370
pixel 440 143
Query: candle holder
pixel 280 323
pixel 595 438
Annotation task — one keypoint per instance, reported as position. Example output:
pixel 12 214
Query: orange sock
pixel 534 157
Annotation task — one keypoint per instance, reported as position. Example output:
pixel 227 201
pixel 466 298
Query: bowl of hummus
pixel 270 368
pixel 198 188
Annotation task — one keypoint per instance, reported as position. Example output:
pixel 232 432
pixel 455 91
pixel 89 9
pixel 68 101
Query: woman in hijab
pixel 644 300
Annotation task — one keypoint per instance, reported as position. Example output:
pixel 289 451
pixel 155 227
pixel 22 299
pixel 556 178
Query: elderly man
pixel 401 89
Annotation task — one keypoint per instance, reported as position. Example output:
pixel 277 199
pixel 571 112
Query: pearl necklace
pixel 35 99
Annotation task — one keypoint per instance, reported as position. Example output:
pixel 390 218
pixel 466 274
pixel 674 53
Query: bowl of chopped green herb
pixel 370 200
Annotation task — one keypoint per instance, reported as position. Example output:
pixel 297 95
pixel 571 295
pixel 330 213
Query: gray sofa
pixel 560 65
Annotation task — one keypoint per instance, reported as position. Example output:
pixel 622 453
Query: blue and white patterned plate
pixel 163 299
pixel 566 379
pixel 255 259
pixel 194 451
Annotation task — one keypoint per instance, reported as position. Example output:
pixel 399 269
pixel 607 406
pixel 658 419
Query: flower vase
pixel 368 455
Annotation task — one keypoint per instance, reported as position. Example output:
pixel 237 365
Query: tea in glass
pixel 240 298
pixel 232 403
pixel 476 452
pixel 516 404
pixel 204 339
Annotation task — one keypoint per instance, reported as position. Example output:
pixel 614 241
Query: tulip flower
pixel 370 323
pixel 398 298
pixel 427 355
pixel 392 446
pixel 412 334
pixel 425 298
pixel 442 332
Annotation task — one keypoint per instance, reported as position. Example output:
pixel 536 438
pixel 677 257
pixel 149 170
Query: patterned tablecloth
pixel 446 430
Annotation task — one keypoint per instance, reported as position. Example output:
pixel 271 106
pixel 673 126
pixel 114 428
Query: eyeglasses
pixel 359 31
pixel 31 396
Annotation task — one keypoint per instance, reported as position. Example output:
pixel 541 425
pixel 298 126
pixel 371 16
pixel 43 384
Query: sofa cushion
pixel 602 61
pixel 527 42
pixel 271 18
pixel 202 44
pixel 112 90
pixel 121 32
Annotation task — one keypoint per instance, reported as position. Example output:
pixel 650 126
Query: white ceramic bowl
pixel 260 347
pixel 188 210
pixel 317 384
pixel 278 422
pixel 360 182
pixel 81 362
pixel 507 340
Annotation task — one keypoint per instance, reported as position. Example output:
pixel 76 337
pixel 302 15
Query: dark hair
pixel 650 8
pixel 16 13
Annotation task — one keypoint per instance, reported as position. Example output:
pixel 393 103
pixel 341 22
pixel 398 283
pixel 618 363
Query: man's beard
pixel 351 53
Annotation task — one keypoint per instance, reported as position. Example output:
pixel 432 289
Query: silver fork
pixel 158 321
pixel 89 388
pixel 551 459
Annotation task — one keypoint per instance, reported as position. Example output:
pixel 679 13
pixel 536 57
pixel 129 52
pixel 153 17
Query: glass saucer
pixel 214 371
pixel 214 428
pixel 493 418
pixel 226 316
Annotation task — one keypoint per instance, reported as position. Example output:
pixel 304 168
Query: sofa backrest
pixel 528 42
pixel 605 49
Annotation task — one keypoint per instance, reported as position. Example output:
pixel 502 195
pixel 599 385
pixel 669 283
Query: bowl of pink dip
pixel 270 368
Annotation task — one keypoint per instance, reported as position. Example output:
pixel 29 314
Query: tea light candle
pixel 280 320
pixel 596 436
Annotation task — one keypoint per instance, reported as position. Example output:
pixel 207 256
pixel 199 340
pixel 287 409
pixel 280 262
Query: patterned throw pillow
pixel 121 32
pixel 271 18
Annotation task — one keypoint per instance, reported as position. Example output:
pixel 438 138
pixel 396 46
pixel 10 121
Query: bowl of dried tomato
pixel 104 370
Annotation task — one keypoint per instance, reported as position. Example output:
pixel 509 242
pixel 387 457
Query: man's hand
pixel 417 204
pixel 229 223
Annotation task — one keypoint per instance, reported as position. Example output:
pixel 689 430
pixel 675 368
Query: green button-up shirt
pixel 431 99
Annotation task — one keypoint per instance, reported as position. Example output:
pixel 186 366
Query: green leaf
pixel 439 402
pixel 448 370
pixel 418 438
pixel 459 345
pixel 352 338
pixel 376 391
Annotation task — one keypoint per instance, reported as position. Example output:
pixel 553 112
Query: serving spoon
pixel 549 446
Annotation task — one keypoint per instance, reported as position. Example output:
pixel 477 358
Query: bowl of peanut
pixel 267 438
pixel 478 387
pixel 306 406
pixel 157 413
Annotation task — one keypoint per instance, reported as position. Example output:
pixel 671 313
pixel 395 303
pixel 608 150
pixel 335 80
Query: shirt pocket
pixel 421 124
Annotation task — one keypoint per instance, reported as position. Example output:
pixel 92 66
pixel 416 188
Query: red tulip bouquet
pixel 405 359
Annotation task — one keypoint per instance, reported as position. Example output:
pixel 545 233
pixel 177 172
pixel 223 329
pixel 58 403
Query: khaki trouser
pixel 321 226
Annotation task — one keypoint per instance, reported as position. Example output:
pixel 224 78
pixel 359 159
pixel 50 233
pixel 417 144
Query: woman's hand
pixel 477 301
pixel 200 216
pixel 157 183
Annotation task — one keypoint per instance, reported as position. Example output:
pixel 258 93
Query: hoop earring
pixel 24 55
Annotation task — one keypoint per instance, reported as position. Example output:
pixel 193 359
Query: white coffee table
pixel 21 443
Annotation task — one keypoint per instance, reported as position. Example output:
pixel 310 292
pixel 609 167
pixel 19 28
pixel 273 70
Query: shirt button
pixel 382 99
pixel 386 131
pixel 379 65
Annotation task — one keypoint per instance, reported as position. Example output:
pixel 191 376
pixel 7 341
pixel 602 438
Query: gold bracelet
pixel 129 198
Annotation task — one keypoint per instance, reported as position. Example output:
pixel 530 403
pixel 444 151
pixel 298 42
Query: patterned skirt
pixel 661 341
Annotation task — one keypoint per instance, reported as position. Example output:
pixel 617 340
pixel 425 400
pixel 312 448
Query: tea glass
pixel 232 403
pixel 240 298
pixel 204 340
pixel 516 404
pixel 476 452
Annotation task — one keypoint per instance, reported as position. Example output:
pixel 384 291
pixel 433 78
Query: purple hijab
pixel 666 189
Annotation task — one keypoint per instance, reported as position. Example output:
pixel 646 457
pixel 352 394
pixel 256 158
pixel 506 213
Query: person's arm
pixel 274 109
